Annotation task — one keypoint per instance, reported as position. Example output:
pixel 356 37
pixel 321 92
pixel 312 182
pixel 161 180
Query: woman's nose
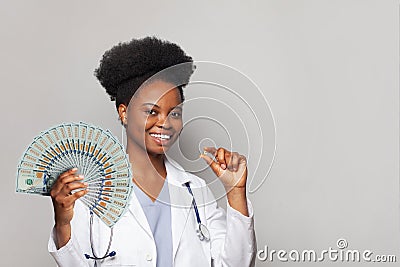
pixel 164 121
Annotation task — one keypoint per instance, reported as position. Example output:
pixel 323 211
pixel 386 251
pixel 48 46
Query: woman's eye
pixel 150 112
pixel 176 114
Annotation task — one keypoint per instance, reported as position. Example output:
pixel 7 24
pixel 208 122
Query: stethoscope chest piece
pixel 203 232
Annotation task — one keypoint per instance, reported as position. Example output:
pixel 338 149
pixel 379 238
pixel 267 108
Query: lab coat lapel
pixel 181 201
pixel 137 211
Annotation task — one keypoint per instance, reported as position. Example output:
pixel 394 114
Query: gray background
pixel 329 70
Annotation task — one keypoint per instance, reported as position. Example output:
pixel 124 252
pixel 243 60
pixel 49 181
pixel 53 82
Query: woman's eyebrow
pixel 157 106
pixel 151 104
pixel 177 107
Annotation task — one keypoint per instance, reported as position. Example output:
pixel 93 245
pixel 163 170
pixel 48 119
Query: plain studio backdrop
pixel 328 69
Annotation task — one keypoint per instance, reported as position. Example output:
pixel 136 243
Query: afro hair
pixel 126 66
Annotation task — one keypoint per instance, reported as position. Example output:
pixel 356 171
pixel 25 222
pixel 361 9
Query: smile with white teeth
pixel 161 136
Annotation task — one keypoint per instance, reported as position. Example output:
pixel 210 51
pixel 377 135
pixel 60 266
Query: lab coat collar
pixel 175 173
pixel 137 211
pixel 181 203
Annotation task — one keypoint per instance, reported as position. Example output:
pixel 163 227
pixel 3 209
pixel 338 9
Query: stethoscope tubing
pixel 202 231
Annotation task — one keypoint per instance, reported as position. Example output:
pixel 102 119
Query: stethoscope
pixel 202 232
pixel 108 253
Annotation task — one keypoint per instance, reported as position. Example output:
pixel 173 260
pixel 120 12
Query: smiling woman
pixel 151 121
pixel 164 226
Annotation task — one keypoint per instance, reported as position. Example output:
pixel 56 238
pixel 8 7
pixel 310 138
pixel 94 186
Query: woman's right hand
pixel 63 202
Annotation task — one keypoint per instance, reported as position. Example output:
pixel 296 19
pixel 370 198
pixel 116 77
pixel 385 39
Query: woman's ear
pixel 122 113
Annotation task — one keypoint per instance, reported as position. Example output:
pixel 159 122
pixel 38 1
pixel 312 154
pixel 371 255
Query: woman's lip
pixel 159 140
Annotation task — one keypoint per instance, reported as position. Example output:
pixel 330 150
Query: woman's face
pixel 154 117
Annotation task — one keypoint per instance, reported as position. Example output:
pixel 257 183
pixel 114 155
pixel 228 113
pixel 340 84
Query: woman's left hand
pixel 230 167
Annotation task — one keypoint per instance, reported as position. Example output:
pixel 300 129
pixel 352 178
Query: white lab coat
pixel 232 241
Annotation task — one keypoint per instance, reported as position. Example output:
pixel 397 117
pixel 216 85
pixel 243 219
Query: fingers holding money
pixel 64 197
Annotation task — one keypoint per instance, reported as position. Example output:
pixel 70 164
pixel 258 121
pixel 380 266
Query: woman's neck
pixel 145 164
pixel 148 170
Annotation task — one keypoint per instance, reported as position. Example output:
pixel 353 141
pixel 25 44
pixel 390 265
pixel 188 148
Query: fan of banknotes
pixel 97 154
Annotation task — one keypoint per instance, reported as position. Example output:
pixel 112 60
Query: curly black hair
pixel 126 66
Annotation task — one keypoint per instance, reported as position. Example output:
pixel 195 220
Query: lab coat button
pixel 149 257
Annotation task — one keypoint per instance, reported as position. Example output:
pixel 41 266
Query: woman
pixel 161 226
